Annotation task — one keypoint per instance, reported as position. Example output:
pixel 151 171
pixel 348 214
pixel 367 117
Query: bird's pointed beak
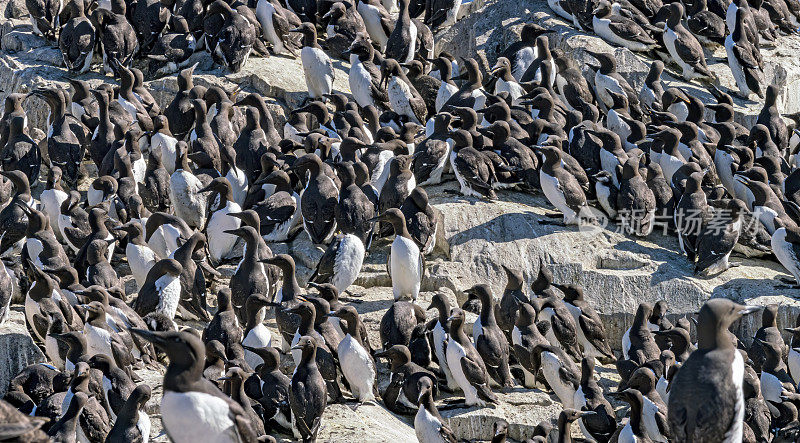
pixel 149 336
pixel 748 309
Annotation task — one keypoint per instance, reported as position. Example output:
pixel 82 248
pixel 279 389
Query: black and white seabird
pixel 708 27
pixel 164 232
pixel 683 46
pixel 21 153
pixel 318 204
pixel 132 422
pixel 317 66
pixel 273 389
pixel 220 243
pixel 280 213
pixel 405 380
pixel 466 364
pixel 652 89
pixel 287 297
pixel 41 246
pixel 470 94
pixel 67 428
pixel 636 202
pixel 425 223
pixel 489 339
pixel 256 334
pixel 639 340
pixel 354 208
pixel 357 364
pixel 401 44
pixel 275 26
pixel 710 379
pixel 692 203
pixel 744 59
pixel 429 426
pixel 591 331
pixel 117 37
pixel 608 84
pixel 161 291
pixel 94 423
pixel 785 245
pixel 364 76
pixel 525 337
pixel 440 330
pixel 193 408
pixel 560 187
pixel 341 262
pixel 618 29
pixel 184 190
pixel 398 323
pixel 714 246
pixel 235 40
pixel 635 430
pixel 522 53
pixel 473 169
pixel 117 386
pixel 308 395
pixel 76 40
pixel 589 397
pixel 405 264
pixel 403 97
pixel 771 117
pixel 560 372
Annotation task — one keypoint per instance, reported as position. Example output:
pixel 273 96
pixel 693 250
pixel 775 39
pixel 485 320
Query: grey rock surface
pixel 17 349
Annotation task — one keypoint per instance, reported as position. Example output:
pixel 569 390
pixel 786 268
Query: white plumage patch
pixel 220 243
pixel 140 259
pixel 360 82
pixel 455 352
pixel 169 291
pixel 258 337
pixel 318 71
pixel 406 268
pixel 550 367
pixel 193 417
pixel 348 261
pixel 427 427
pixel 358 368
pixel 399 95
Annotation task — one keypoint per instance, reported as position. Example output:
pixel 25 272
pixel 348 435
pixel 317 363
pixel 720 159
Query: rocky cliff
pixel 617 271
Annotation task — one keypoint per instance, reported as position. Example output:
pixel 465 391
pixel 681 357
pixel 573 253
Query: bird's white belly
pixel 454 355
pixel 258 337
pixel 347 264
pixel 406 268
pixel 169 289
pixel 427 427
pixel 358 368
pixel 140 259
pixel 439 336
pixel 360 83
pixel 794 365
pixel 220 243
pixel 193 417
pixel 550 366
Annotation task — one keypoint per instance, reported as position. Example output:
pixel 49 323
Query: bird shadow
pixel 506 228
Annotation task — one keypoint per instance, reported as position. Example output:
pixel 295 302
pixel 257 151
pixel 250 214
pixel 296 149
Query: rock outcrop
pixel 17 349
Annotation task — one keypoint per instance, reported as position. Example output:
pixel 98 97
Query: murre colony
pixel 146 235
